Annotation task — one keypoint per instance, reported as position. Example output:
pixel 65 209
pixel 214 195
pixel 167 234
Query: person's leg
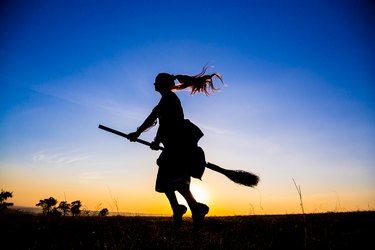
pixel 198 210
pixel 178 210
pixel 172 200
pixel 184 190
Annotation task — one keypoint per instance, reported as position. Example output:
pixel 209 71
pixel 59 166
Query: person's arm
pixel 150 120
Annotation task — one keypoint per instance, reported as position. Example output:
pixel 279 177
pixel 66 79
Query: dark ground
pixel 354 230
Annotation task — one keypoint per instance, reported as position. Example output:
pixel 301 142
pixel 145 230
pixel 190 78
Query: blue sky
pixel 298 101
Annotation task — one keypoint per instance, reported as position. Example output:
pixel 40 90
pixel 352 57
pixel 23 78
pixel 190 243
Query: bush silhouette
pixel 48 206
pixel 75 208
pixel 64 206
pixel 103 212
pixel 4 195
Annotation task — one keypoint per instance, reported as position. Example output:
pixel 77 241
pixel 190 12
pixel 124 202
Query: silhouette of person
pixel 181 157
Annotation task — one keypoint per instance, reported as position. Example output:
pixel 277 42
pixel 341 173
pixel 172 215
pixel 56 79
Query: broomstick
pixel 237 176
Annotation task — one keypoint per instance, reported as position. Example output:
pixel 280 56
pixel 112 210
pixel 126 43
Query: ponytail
pixel 198 83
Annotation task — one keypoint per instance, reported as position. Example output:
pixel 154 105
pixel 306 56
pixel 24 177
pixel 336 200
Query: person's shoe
pixel 198 214
pixel 177 216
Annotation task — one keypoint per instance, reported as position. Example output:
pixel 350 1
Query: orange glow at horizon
pixel 238 200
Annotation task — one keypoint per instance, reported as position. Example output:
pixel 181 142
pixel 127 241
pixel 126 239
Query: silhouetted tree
pixel 4 195
pixel 48 205
pixel 64 206
pixel 75 208
pixel 103 212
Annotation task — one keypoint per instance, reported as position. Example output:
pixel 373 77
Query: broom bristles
pixel 243 177
pixel 237 176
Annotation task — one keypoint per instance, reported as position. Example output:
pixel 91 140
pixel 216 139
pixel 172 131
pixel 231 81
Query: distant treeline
pixel 50 206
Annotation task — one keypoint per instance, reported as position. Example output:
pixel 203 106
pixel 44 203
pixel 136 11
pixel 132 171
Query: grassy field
pixel 354 230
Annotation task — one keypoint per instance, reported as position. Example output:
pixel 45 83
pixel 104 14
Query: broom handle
pixel 126 136
pixel 216 168
pixel 237 177
pixel 208 165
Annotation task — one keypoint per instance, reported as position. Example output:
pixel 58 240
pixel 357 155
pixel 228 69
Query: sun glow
pixel 200 192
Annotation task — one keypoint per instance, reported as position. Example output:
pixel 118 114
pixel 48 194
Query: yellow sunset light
pixel 200 193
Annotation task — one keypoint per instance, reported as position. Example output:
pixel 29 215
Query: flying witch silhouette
pixel 181 157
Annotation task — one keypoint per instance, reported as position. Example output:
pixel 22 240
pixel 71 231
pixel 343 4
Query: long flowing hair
pixel 199 83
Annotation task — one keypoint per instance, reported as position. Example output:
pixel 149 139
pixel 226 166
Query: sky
pixel 298 101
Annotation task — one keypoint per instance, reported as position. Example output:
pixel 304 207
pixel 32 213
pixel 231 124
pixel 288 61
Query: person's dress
pixel 180 153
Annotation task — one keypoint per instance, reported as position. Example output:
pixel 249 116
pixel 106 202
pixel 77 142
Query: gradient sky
pixel 299 101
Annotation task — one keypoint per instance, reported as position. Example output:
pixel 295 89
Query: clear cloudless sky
pixel 299 101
